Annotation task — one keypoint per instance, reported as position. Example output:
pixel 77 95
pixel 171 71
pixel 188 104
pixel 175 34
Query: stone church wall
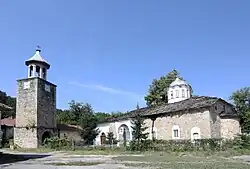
pixel 185 121
pixel 230 127
pixel 226 127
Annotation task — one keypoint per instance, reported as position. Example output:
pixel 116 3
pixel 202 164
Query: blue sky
pixel 106 52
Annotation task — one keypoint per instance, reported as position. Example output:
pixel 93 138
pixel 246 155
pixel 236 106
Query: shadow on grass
pixel 12 158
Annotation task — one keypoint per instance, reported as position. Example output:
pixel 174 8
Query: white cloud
pixel 110 90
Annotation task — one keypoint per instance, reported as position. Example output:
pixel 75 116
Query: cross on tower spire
pixel 38 48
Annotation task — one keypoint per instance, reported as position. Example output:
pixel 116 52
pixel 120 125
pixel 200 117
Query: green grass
pixel 182 161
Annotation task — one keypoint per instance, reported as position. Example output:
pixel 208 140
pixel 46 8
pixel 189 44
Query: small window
pixel 172 95
pixel 215 107
pixel 177 93
pixel 176 133
pixel 183 93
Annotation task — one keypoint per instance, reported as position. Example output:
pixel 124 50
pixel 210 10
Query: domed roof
pixel 37 58
pixel 178 82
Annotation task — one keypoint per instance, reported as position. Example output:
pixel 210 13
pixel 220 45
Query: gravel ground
pixel 50 161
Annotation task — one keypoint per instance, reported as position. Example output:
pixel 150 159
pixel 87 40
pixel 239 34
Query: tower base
pixel 32 137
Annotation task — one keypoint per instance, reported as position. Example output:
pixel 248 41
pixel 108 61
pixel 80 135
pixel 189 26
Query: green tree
pixel 9 101
pixel 157 93
pixel 241 100
pixel 88 121
pixel 102 116
pixel 138 131
pixel 65 117
pixel 110 138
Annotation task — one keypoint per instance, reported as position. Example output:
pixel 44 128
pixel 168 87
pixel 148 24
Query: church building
pixel 183 117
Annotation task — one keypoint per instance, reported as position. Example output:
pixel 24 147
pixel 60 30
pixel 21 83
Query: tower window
pixel 30 71
pixel 183 93
pixel 172 95
pixel 44 73
pixel 37 71
pixel 177 93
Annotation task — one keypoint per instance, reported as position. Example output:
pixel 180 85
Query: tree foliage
pixel 241 100
pixel 87 120
pixel 138 131
pixel 110 138
pixel 9 101
pixel 157 93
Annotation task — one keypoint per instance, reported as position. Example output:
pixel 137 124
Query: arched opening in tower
pixel 45 136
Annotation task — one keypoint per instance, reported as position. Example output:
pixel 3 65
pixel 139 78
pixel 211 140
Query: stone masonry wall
pixel 46 104
pixel 186 121
pixel 230 127
pixel 36 107
pixel 26 113
pixel 215 122
pixel 24 138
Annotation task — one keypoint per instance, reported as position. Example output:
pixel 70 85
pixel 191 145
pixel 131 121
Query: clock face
pixel 26 85
pixel 47 87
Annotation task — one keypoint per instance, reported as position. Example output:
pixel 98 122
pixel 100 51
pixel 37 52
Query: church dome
pixel 179 90
pixel 178 82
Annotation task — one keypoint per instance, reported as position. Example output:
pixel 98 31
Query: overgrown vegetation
pixel 57 143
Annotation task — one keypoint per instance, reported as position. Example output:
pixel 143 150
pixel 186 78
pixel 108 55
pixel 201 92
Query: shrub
pixel 242 142
pixel 58 143
pixel 145 145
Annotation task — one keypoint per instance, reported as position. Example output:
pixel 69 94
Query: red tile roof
pixel 8 122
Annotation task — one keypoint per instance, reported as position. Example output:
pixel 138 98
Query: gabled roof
pixel 188 104
pixel 37 58
pixel 69 127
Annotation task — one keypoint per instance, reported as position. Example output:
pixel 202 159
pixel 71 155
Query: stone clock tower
pixel 35 105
